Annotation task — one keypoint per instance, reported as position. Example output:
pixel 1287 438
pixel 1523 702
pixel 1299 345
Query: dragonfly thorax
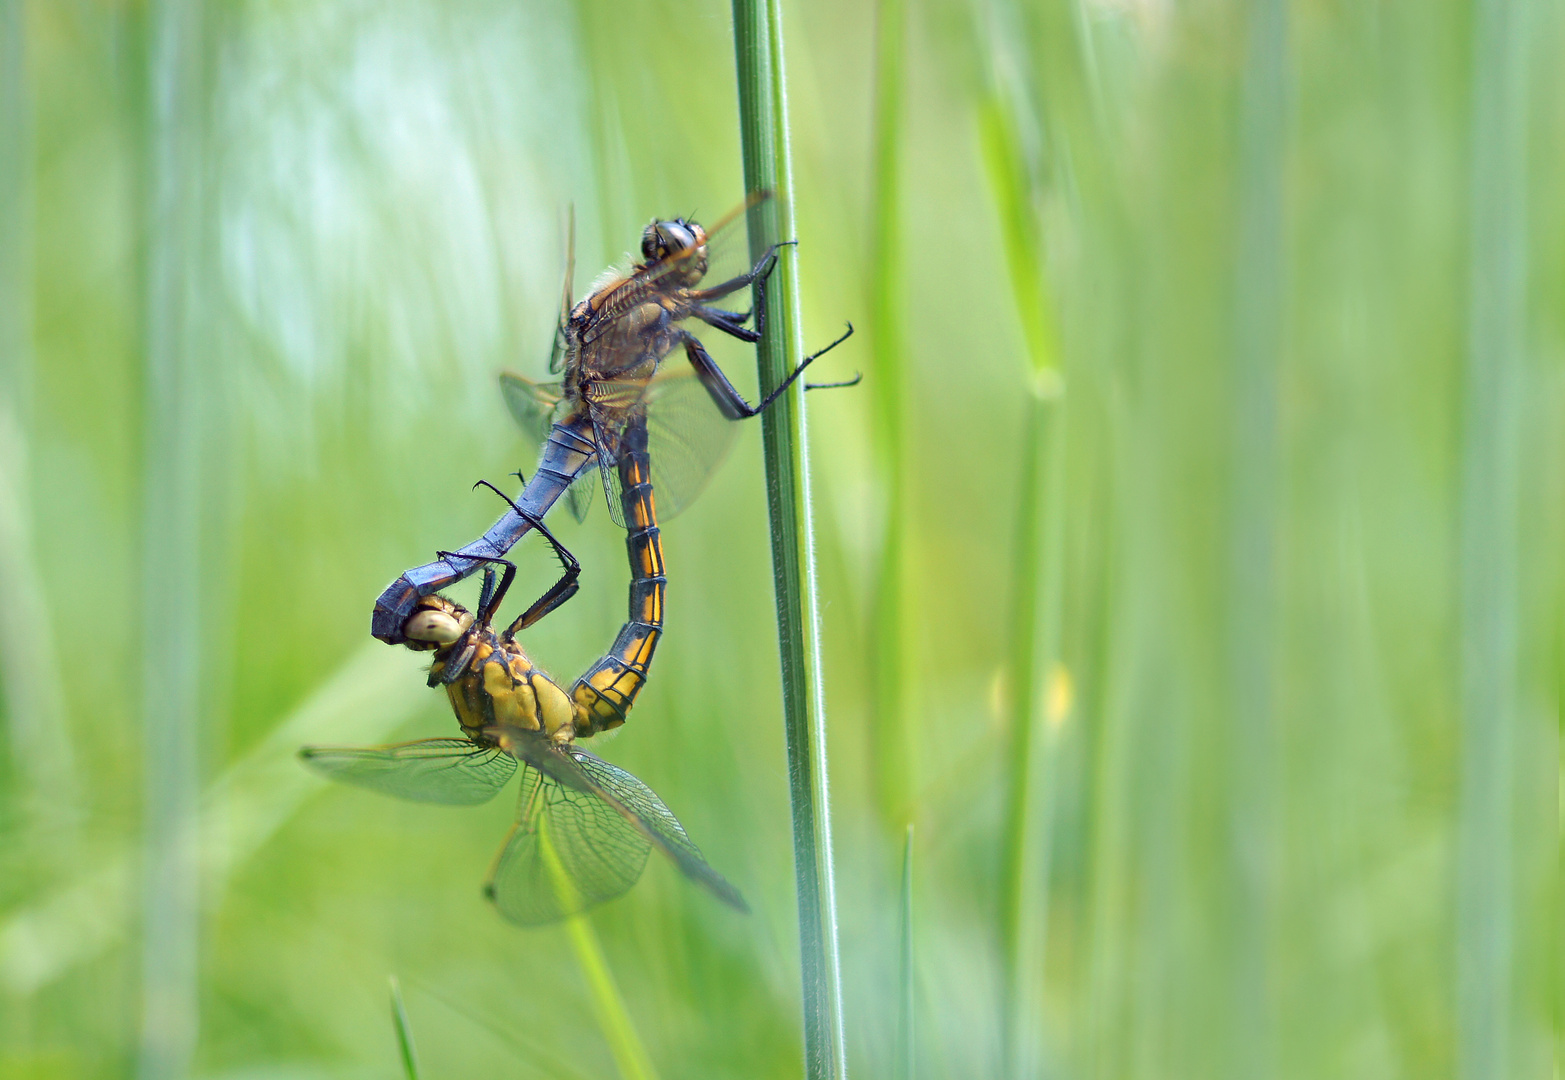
pixel 491 680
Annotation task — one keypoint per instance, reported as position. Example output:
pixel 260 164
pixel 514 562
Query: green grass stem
pixel 1015 192
pixel 889 391
pixel 1252 526
pixel 399 1021
pixel 763 117
pixel 1035 625
pixel 1488 567
pixel 630 1056
pixel 1024 897
pixel 172 468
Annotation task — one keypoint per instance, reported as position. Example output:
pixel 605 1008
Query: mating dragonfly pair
pixel 584 827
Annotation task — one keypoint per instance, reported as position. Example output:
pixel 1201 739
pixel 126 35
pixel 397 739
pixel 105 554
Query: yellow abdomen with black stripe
pixel 603 695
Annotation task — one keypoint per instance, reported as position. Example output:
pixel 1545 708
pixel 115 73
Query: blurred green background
pixel 1299 267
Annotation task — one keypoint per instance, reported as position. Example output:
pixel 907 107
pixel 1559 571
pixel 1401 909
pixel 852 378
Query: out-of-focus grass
pixel 906 1054
pixel 404 1031
pixel 889 634
pixel 380 187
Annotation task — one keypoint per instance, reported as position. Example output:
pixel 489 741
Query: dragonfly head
pixel 680 243
pixel 436 623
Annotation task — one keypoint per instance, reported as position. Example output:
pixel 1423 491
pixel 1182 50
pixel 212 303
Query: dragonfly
pixel 610 349
pixel 584 827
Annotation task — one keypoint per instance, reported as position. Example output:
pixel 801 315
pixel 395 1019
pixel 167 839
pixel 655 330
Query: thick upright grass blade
pixel 399 1020
pixel 763 119
pixel 174 457
pixel 1253 526
pixel 1489 578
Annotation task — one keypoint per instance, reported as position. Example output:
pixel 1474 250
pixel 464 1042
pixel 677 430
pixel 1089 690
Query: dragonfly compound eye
pixel 435 627
pixel 676 236
pixel 651 243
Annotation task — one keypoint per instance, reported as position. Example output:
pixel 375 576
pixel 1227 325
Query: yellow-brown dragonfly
pixel 610 348
pixel 584 827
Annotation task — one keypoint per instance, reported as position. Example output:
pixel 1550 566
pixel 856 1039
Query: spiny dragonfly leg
pixel 858 377
pixel 489 597
pixel 728 400
pixel 728 322
pixel 561 590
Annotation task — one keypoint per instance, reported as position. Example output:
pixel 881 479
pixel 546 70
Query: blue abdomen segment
pixel 567 453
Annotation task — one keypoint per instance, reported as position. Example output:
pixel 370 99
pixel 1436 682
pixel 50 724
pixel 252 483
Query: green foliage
pixel 399 1021
pixel 260 263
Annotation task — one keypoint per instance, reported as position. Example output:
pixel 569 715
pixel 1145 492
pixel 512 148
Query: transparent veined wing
pixel 535 407
pixel 641 806
pixel 568 851
pixel 687 437
pixel 452 772
pixel 582 834
pixel 532 404
pixel 611 422
pixel 557 353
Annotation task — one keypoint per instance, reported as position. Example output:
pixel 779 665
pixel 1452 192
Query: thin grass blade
pixel 630 1056
pixel 763 117
pixel 890 634
pixel 399 1020
pixel 1024 899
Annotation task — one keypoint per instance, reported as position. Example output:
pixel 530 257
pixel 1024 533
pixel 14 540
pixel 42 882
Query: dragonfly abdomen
pixel 567 452
pixel 603 696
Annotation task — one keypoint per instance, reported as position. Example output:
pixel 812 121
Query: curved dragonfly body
pixel 610 348
pixel 568 452
pixel 584 827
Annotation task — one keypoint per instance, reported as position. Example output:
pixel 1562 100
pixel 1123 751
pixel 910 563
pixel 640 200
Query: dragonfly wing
pixel 580 494
pixel 557 354
pixel 535 406
pixel 452 772
pixel 608 425
pixel 655 822
pixel 687 438
pixel 568 851
pixel 532 404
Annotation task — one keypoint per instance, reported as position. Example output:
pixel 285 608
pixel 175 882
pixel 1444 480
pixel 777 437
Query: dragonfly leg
pixel 561 591
pixel 728 322
pixel 728 400
pixel 858 377
pixel 757 277
pixel 489 597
